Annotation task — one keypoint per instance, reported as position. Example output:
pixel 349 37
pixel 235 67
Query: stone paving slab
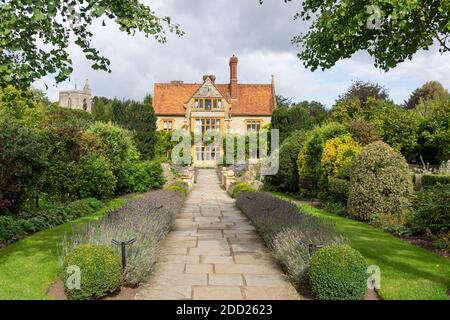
pixel 214 252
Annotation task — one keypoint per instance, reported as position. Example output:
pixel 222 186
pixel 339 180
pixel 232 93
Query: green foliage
pixel 23 160
pixel 287 120
pixel 25 106
pixel 365 90
pixel 338 272
pixel 398 127
pixel 179 186
pixel 432 209
pixel 338 190
pixel 119 150
pixel 45 216
pixel 9 228
pixel 241 187
pixel 102 109
pixel 95 178
pixel 390 31
pixel 379 183
pixel 287 175
pixel 100 268
pixel 430 180
pixel 363 132
pixel 338 153
pixel 436 131
pixel 431 90
pixel 26 24
pixel 309 158
pixel 164 144
pixel 345 110
pixel 139 118
pixel 147 175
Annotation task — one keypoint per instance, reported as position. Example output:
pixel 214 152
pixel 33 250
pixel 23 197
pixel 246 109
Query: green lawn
pixel 407 271
pixel 29 266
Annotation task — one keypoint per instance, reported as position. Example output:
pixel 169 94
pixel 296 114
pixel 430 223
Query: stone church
pixel 77 99
pixel 223 107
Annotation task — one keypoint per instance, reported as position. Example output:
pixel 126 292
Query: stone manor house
pixel 226 108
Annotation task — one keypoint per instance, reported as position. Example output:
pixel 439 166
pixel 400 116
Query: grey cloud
pixel 259 35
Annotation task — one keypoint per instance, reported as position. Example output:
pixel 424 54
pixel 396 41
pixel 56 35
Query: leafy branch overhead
pixel 391 31
pixel 35 35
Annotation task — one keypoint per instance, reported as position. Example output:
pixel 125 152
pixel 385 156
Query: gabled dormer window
pixel 208 104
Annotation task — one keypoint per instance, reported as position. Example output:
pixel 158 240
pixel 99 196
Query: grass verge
pixel 407 272
pixel 29 266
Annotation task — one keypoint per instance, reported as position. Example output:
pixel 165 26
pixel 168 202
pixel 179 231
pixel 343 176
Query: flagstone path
pixel 214 252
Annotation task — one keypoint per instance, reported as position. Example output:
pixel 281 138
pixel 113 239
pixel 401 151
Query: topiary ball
pixel 338 272
pixel 379 183
pixel 101 272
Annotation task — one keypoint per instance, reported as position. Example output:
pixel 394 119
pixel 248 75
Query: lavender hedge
pixel 147 220
pixel 292 234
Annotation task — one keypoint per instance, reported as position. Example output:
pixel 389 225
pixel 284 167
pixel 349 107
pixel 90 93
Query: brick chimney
pixel 233 77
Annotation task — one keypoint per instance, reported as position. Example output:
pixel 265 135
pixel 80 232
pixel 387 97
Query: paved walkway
pixel 213 252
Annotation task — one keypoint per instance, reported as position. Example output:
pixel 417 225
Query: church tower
pixel 77 99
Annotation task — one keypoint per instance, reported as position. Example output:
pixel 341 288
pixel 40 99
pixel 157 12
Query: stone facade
pixel 230 108
pixel 77 99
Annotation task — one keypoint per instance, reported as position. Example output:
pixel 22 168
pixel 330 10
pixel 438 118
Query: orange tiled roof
pixel 252 99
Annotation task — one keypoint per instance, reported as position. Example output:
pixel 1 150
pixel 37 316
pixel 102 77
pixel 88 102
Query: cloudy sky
pixel 259 35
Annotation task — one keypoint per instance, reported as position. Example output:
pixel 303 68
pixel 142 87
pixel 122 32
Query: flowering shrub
pixel 147 220
pixel 287 230
pixel 309 158
pixel 338 153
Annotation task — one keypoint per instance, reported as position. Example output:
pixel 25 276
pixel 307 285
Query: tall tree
pixel 35 35
pixel 391 31
pixel 365 90
pixel 429 91
pixel 138 117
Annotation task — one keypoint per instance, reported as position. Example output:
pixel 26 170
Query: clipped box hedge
pixel 429 180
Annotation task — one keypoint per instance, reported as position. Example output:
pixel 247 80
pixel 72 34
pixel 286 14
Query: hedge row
pixel 292 234
pixel 47 216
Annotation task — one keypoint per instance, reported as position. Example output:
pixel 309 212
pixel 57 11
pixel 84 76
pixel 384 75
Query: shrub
pixel 338 153
pixel 431 90
pixel 95 178
pixel 287 120
pixel 47 216
pixel 432 210
pixel 179 186
pixel 338 189
pixel 363 132
pixel 287 175
pixel 287 230
pixel 100 268
pixel 147 220
pixel 429 180
pixel 240 187
pixel 120 151
pixel 147 175
pixel 397 126
pixel 9 228
pixel 379 183
pixel 338 272
pixel 23 160
pixel 310 156
pixel 436 131
pixel 139 118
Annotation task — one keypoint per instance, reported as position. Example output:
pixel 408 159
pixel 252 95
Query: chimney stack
pixel 233 77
